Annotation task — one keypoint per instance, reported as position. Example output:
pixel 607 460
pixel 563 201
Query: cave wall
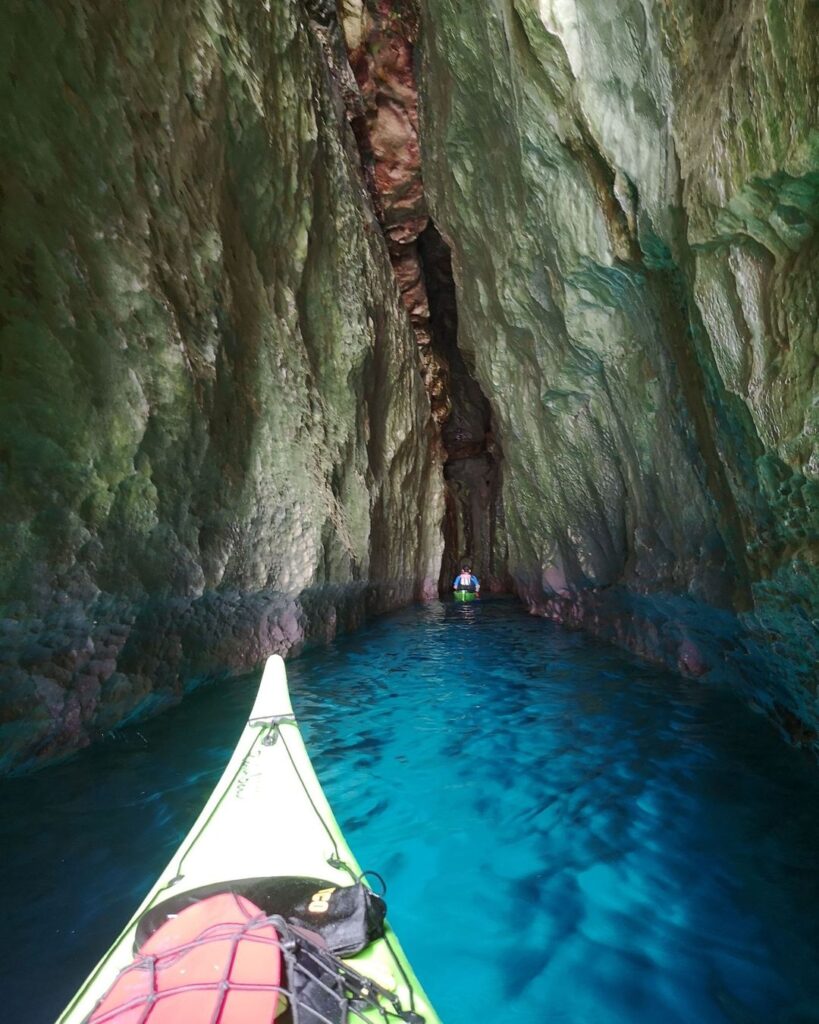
pixel 377 40
pixel 631 193
pixel 219 272
pixel 214 439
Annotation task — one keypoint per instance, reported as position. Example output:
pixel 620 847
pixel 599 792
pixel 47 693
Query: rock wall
pixel 631 190
pixel 380 38
pixel 215 440
pixel 218 271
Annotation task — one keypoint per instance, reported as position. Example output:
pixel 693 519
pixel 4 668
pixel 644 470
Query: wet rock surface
pixel 473 525
pixel 630 191
pixel 380 37
pixel 232 234
pixel 216 443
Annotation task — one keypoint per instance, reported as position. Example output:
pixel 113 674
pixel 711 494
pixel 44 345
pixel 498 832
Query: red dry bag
pixel 216 962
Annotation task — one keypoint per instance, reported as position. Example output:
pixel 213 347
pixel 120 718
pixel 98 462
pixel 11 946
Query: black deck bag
pixel 347 918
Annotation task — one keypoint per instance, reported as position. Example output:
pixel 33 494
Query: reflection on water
pixel 567 835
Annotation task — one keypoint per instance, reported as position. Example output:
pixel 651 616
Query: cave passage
pixel 605 840
pixel 249 398
pixel 472 467
pixel 382 110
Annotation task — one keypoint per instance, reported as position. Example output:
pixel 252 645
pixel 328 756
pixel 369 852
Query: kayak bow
pixel 267 817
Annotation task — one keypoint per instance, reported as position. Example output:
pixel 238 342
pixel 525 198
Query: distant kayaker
pixel 466 581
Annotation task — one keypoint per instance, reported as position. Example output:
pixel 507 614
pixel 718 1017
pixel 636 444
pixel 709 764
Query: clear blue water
pixel 567 835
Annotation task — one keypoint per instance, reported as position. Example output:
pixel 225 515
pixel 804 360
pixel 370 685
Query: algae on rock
pixel 631 190
pixel 215 438
pixel 216 442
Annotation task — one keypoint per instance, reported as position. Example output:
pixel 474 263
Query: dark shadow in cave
pixel 473 522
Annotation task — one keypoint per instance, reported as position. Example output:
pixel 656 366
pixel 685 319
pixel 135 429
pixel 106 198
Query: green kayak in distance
pixel 465 596
pixel 266 830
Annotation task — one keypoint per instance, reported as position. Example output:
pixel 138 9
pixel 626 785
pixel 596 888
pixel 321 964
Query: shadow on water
pixel 567 834
pixel 81 842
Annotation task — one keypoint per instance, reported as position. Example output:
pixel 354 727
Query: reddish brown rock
pixel 380 40
pixel 690 660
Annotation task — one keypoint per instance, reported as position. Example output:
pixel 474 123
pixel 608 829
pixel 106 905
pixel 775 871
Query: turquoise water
pixel 567 836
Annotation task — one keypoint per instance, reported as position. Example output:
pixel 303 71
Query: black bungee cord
pixel 411 1016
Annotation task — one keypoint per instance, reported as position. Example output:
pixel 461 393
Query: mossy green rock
pixel 215 440
pixel 630 190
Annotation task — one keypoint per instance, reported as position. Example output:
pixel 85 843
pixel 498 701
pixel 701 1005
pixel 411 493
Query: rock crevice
pixel 381 36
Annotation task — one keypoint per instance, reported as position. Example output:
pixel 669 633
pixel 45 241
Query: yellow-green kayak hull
pixel 268 816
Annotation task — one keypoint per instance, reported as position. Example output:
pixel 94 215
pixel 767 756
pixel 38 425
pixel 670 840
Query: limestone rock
pixel 211 402
pixel 631 193
pixel 226 231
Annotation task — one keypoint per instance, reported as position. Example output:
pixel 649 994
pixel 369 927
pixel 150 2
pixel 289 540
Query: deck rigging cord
pixel 367 994
pixel 336 861
pixel 338 993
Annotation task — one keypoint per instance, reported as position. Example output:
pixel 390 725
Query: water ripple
pixel 568 836
pixel 571 836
